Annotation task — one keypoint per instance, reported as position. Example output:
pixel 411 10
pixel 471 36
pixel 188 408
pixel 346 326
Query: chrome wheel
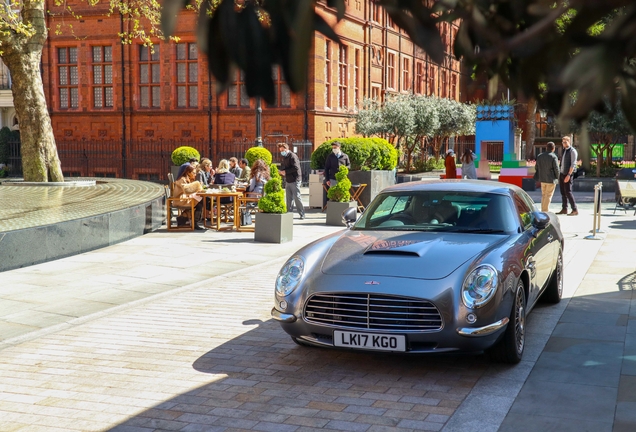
pixel 520 319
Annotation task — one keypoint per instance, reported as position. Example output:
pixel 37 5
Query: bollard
pixel 598 198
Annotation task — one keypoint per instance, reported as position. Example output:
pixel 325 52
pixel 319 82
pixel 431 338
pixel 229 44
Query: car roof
pixel 480 186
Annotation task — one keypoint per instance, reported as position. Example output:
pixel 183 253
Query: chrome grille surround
pixel 379 312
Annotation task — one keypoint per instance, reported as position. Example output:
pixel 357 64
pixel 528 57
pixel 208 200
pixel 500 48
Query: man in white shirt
pixel 566 177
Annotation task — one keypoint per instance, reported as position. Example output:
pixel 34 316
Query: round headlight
pixel 480 286
pixel 289 276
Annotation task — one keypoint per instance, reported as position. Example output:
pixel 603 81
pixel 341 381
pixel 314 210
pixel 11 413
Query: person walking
pixel 468 164
pixel 290 168
pixel 449 163
pixel 546 171
pixel 566 177
pixel 334 160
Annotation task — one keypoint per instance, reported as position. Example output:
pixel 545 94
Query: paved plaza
pixel 171 331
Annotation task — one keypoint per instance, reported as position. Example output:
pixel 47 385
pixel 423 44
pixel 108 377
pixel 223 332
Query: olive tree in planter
pixel 273 224
pixel 339 198
pixel 181 155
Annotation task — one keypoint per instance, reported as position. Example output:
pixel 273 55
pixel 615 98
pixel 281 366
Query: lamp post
pixel 259 111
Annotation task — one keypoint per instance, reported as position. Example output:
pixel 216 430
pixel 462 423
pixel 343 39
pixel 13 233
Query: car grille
pixel 373 312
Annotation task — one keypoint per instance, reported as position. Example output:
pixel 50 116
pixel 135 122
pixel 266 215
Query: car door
pixel 539 248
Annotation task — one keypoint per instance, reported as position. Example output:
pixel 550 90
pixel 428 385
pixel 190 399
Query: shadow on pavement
pixel 623 224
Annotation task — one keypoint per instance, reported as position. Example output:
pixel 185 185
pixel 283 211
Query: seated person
pixel 259 175
pixel 186 187
pixel 245 171
pixel 205 172
pixel 223 176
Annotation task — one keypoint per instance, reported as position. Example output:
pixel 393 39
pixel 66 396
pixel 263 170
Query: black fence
pixel 147 159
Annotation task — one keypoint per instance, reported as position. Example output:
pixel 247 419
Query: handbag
pixel 246 217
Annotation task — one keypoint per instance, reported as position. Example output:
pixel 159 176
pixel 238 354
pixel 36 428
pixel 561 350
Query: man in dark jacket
pixel 290 169
pixel 547 172
pixel 335 159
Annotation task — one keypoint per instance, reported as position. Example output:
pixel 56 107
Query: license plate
pixel 369 341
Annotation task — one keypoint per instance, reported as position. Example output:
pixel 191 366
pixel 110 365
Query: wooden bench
pixel 626 195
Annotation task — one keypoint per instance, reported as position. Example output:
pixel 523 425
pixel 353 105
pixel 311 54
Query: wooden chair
pixel 356 191
pixel 625 195
pixel 175 206
pixel 249 202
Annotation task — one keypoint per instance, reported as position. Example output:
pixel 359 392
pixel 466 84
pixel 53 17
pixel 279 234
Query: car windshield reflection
pixel 440 211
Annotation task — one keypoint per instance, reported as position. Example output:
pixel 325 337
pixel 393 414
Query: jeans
pixel 566 192
pixel 292 192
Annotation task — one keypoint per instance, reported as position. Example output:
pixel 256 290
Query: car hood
pixel 418 255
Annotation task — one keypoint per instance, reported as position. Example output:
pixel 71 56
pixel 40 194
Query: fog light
pixel 471 318
pixel 283 304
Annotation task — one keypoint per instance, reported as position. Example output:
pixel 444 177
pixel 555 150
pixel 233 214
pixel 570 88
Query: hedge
pixel 364 153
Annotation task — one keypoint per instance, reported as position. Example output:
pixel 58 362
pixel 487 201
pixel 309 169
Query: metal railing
pixel 143 159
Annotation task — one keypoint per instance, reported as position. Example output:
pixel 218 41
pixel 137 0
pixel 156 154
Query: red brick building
pixel 98 88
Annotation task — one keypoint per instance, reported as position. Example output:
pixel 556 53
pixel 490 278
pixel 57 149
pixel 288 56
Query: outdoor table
pixel 215 199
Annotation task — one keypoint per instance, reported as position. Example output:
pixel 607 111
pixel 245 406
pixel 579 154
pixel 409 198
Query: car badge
pixel 372 283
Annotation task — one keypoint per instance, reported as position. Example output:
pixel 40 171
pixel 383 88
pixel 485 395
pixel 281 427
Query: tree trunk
pixel 532 128
pixel 22 55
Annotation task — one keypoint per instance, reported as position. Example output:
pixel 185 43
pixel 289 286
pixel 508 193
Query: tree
pixel 426 122
pixel 605 129
pixel 368 120
pixel 454 119
pixel 524 43
pixel 23 33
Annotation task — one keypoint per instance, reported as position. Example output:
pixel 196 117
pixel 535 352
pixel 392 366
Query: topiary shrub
pixel 254 153
pixel 340 192
pixel 364 153
pixel 183 154
pixel 274 199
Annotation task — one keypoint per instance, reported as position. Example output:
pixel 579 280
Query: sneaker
pixel 302 217
pixel 564 211
pixel 573 213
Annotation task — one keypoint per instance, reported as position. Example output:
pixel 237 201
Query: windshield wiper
pixel 480 230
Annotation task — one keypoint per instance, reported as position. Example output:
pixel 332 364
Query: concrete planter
pixel 335 209
pixel 376 180
pixel 586 184
pixel 274 227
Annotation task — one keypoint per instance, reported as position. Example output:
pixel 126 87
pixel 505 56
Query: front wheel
pixel 554 291
pixel 510 348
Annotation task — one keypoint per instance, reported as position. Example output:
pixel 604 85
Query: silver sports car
pixel 428 267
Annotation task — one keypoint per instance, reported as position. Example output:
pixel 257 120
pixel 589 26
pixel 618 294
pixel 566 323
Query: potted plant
pixel 254 153
pixel 339 198
pixel 181 155
pixel 273 224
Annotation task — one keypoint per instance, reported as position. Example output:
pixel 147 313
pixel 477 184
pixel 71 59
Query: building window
pixel 343 77
pixel 431 81
pixel 149 77
pixel 454 87
pixel 406 80
pixel 187 75
pixel 102 76
pixel 68 78
pixel 237 93
pixel 375 93
pixel 375 12
pixel 419 78
pixel 283 93
pixel 444 84
pixel 390 70
pixel 356 78
pixel 328 74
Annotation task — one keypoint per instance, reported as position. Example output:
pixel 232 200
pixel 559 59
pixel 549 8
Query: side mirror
pixel 349 216
pixel 540 220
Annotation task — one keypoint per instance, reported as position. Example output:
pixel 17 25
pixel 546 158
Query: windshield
pixel 468 212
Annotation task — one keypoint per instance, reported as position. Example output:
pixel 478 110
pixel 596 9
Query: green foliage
pixel 255 153
pixel 183 154
pixel 364 153
pixel 429 164
pixel 606 170
pixel 340 192
pixel 274 199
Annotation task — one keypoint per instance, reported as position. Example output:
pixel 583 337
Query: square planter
pixel 335 209
pixel 376 180
pixel 274 227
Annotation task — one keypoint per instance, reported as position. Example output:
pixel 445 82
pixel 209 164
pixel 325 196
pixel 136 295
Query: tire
pixel 509 349
pixel 554 290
